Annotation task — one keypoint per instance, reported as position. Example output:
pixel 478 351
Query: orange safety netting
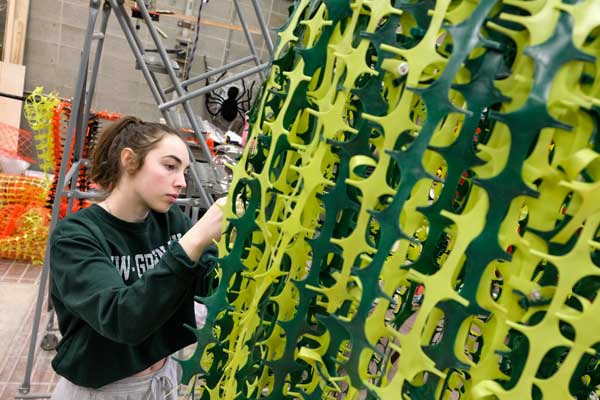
pixel 15 143
pixel 24 219
pixel 60 124
pixel 25 202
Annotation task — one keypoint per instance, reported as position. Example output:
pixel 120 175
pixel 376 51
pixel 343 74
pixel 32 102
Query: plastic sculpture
pixel 445 148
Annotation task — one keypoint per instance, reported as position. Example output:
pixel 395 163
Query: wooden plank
pixel 17 15
pixel 210 22
pixel 203 20
pixel 12 81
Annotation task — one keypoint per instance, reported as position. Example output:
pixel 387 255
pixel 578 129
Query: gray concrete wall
pixel 56 31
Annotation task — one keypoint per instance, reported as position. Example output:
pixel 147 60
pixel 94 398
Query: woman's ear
pixel 129 161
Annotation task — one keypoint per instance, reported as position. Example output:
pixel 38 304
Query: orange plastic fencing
pixel 60 124
pixel 15 143
pixel 25 202
pixel 23 217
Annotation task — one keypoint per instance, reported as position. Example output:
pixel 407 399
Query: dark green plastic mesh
pixel 422 202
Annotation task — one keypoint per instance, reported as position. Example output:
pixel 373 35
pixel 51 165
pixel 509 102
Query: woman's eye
pixel 170 167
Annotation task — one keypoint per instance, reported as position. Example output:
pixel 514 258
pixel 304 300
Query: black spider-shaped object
pixel 235 104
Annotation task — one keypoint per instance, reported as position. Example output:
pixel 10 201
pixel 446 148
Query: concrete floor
pixel 18 292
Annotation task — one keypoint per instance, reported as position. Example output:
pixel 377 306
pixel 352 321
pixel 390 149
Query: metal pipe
pixel 96 65
pixel 78 194
pixel 167 114
pixel 87 105
pixel 263 27
pixel 119 6
pixel 188 202
pixel 248 35
pixel 32 396
pixel 72 170
pixel 215 71
pixel 138 50
pixel 94 8
pixel 78 117
pixel 133 43
pixel 213 86
pixel 12 96
pixel 180 91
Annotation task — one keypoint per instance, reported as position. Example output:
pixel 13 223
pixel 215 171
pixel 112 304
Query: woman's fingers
pixel 212 220
pixel 239 206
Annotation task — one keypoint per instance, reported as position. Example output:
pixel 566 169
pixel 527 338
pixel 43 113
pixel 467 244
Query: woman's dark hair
pixel 129 131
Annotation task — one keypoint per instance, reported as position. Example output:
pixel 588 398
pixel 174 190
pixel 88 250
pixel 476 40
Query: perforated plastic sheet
pixel 421 208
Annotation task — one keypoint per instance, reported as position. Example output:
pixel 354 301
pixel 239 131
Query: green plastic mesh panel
pixel 422 198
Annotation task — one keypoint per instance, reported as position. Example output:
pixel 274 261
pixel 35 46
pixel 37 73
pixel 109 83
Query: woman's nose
pixel 180 182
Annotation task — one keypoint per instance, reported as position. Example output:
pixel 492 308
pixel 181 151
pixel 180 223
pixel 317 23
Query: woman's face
pixel 162 176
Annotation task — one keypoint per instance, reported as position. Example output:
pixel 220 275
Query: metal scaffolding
pixel 78 122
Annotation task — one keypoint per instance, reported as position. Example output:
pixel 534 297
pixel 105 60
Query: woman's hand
pixel 205 231
pixel 212 221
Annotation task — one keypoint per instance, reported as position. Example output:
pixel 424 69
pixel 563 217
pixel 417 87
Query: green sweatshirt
pixel 122 292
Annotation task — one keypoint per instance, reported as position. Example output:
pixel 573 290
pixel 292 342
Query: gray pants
pixel 160 385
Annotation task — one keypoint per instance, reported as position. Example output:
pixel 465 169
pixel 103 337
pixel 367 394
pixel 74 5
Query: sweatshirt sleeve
pixel 207 263
pixel 90 287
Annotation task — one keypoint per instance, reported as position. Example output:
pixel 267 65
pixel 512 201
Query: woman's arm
pixel 203 232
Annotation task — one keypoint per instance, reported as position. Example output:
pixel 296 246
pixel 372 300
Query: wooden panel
pixel 17 14
pixel 12 81
pixel 210 22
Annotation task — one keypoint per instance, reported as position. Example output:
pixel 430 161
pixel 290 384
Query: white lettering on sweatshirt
pixel 141 262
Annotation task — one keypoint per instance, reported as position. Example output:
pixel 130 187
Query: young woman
pixel 125 270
